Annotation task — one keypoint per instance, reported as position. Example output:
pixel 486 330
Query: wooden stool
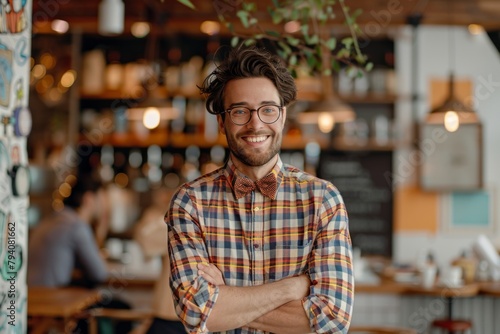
pixel 380 330
pixel 452 326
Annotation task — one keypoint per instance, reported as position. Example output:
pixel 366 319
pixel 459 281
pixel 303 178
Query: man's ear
pixel 220 122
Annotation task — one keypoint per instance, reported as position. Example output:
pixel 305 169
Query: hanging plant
pixel 312 42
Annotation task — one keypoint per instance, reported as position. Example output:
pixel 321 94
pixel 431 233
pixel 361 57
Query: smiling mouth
pixel 255 139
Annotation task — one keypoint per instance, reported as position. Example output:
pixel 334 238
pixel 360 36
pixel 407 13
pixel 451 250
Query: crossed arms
pixel 273 307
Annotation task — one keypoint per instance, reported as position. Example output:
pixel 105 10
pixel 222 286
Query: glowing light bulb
pixel 451 121
pixel 140 29
pixel 151 118
pixel 210 27
pixel 326 121
pixel 60 26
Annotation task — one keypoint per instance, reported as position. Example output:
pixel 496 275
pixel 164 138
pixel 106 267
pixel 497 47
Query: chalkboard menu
pixel 362 179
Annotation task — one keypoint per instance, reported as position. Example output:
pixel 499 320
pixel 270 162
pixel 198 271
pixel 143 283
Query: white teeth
pixel 256 139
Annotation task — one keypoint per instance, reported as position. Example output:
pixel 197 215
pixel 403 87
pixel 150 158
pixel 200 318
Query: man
pixel 258 246
pixel 64 242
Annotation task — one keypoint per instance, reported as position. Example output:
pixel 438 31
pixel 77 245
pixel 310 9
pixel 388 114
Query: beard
pixel 253 157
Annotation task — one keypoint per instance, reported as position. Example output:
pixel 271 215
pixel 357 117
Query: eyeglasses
pixel 267 114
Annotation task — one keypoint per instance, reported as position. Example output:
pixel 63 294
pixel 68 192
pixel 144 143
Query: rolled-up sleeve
pixel 329 304
pixel 194 297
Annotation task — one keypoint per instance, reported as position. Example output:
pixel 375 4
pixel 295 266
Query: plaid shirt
pixel 257 240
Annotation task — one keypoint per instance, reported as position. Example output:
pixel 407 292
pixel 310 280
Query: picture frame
pixel 451 161
pixel 469 212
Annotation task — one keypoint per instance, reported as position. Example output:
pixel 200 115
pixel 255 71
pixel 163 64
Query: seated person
pixel 65 241
pixel 64 244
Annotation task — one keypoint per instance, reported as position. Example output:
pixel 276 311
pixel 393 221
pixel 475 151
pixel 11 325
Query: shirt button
pixel 256 246
pixel 256 208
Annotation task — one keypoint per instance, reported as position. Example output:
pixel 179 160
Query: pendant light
pixel 330 110
pixel 452 113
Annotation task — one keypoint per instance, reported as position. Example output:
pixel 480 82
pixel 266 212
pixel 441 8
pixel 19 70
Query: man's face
pixel 255 143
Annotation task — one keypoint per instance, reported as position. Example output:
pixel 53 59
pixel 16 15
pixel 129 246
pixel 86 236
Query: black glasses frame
pixel 280 110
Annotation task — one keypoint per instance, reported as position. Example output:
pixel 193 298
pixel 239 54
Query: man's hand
pixel 303 284
pixel 211 273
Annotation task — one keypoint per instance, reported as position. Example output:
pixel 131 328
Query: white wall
pixel 475 59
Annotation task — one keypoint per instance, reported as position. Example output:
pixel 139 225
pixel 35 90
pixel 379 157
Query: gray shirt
pixel 60 244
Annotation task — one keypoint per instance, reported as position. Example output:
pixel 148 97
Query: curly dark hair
pixel 247 62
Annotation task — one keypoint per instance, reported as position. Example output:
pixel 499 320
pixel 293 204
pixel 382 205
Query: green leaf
pixel 277 17
pixel 253 21
pixel 243 15
pixel 335 65
pixel 361 59
pixel 187 3
pixel 347 42
pixel 234 41
pixel 272 33
pixel 356 13
pixel 230 27
pixel 343 53
pixel 314 39
pixel 282 53
pixel 369 66
pixel 327 72
pixel 331 43
pixel 249 41
pixel 310 59
pixel 322 17
pixel 304 28
pixel 285 48
pixel 249 6
pixel 293 60
pixel 292 41
pixel 352 71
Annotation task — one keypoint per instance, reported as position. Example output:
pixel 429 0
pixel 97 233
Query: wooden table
pixel 490 288
pixel 58 306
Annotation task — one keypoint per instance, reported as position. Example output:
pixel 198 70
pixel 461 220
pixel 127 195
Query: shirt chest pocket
pixel 289 257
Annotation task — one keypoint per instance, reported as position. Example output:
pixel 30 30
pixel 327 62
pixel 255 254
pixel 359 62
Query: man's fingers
pixel 211 273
